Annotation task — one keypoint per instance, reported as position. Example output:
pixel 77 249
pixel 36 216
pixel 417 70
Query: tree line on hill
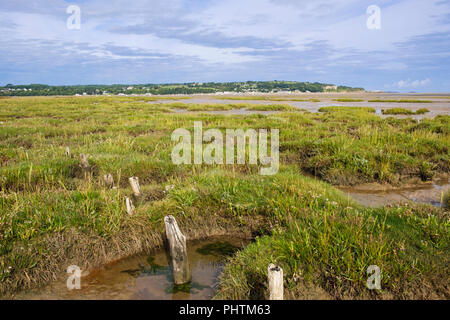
pixel 179 88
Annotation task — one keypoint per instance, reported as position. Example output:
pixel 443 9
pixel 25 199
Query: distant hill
pixel 174 88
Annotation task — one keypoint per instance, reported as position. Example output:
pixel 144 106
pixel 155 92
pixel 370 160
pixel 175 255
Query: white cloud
pixel 405 84
pixel 296 39
pixel 298 22
pixel 327 21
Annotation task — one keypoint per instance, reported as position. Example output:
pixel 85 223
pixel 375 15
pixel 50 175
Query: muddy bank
pixel 144 277
pixel 91 252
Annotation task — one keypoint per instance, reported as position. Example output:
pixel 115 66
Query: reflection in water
pixel 146 277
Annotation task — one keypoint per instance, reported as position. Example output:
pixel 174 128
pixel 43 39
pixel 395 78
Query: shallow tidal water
pixel 149 277
pixel 429 194
pixel 439 106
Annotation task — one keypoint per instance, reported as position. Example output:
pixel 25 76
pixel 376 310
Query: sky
pixel 170 41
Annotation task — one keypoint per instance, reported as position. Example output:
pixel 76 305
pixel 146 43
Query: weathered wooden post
pixel 276 288
pixel 134 182
pixel 84 161
pixel 109 180
pixel 178 252
pixel 67 152
pixel 130 206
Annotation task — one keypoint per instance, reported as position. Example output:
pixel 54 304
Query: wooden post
pixel 130 206
pixel 134 182
pixel 178 252
pixel 276 288
pixel 84 161
pixel 109 180
pixel 67 152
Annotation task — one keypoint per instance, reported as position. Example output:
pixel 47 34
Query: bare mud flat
pixel 149 277
pixel 439 105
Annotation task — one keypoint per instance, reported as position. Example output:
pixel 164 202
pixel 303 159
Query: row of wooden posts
pixel 177 241
pixel 109 181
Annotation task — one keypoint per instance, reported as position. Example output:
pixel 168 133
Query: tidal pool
pixel 149 277
pixel 372 197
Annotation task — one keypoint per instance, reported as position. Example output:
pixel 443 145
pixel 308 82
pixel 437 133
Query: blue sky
pixel 161 41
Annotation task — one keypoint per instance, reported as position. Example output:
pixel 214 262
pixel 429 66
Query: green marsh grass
pixel 266 98
pixel 348 100
pixel 342 108
pixel 53 213
pixel 271 107
pixel 403 111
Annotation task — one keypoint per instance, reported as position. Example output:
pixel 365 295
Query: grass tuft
pixel 405 111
